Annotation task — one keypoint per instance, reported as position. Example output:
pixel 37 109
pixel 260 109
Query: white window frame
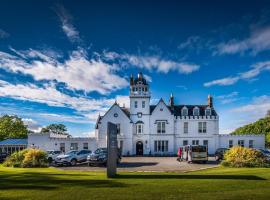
pixel 143 104
pixel 202 127
pixel 139 128
pixel 161 146
pixel 195 142
pixel 184 111
pixel 230 143
pixel 205 143
pixel 251 143
pixel 161 127
pixel 135 104
pixel 185 127
pixel 185 141
pixel 85 146
pixel 194 111
pixel 208 110
pixel 241 143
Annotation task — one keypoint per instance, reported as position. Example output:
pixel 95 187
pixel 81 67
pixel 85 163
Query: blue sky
pixel 67 61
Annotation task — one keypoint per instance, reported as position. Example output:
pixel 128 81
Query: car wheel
pixel 73 162
pixel 89 164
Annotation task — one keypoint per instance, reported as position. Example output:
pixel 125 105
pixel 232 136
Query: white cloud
pixel 153 63
pixel 32 124
pixel 222 82
pixel 258 107
pixel 78 72
pixel 182 87
pixel 244 114
pixel 89 108
pixel 259 40
pixel 255 70
pixel 3 34
pixel 228 98
pixel 67 26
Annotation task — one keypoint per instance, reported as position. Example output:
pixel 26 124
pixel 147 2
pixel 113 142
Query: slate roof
pixel 14 142
pixel 177 109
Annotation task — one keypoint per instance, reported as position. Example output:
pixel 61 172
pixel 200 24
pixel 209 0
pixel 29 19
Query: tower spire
pixel 171 101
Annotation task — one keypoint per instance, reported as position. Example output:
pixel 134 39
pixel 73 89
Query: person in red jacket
pixel 179 154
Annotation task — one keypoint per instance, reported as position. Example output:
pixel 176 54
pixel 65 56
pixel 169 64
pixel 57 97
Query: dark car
pixel 219 154
pixel 3 156
pixel 99 157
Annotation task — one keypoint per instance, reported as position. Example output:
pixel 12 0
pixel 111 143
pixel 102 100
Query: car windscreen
pixel 199 149
pixel 71 152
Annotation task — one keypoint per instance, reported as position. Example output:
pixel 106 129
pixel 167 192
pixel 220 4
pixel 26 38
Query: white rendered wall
pixel 125 128
pixel 47 143
pixel 259 140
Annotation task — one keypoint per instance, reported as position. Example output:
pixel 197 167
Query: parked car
pixel 72 157
pixel 219 154
pixel 52 155
pixel 100 157
pixel 3 156
pixel 266 153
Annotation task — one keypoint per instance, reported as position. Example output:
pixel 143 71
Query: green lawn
pixel 218 183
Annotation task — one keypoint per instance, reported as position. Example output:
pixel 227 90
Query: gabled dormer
pixel 184 111
pixel 196 111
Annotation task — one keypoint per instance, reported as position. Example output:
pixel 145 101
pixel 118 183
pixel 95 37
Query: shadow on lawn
pixel 135 164
pixel 39 181
pixel 185 176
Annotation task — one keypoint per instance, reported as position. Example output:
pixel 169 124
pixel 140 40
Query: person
pixel 179 154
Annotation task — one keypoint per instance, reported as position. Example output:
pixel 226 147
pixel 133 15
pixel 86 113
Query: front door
pixel 139 148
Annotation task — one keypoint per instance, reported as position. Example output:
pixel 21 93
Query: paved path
pixel 150 164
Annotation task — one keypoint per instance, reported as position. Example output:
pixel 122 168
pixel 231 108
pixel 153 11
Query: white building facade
pixel 160 129
pixel 64 143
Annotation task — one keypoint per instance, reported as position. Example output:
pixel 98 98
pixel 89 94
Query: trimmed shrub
pixel 27 158
pixel 244 157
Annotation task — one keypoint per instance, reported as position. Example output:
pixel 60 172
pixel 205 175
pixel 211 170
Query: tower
pixel 139 96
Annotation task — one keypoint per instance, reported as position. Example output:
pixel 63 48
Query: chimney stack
pixel 210 101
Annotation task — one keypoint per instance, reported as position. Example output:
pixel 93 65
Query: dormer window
pixel 196 111
pixel 184 111
pixel 207 111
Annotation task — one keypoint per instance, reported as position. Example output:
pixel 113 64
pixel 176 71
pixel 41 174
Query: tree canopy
pixel 258 127
pixel 55 128
pixel 12 127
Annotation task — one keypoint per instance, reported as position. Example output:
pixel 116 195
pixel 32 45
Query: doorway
pixel 139 148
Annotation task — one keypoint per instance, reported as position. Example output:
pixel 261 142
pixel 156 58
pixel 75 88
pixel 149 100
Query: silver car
pixel 52 155
pixel 72 157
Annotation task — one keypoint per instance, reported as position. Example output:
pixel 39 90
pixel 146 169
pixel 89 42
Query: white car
pixel 72 157
pixel 52 155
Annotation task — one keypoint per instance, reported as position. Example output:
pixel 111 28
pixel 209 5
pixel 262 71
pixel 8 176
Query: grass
pixel 218 183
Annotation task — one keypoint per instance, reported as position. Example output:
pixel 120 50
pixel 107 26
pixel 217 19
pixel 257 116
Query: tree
pixel 12 127
pixel 55 128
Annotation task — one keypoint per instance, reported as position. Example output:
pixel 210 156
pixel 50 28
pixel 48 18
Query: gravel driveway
pixel 149 164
